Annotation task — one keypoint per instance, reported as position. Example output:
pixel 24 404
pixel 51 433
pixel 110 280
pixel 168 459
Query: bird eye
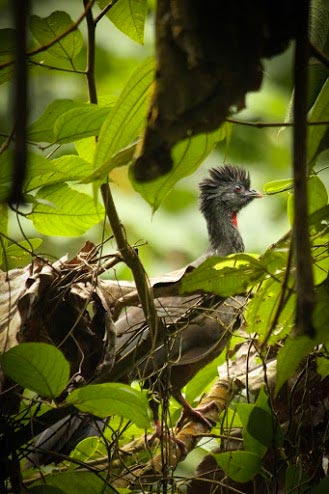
pixel 237 188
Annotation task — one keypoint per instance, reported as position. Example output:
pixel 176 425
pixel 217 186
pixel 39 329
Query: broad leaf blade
pixel 42 130
pixel 240 466
pixel 46 29
pixel 79 123
pixel 39 367
pixel 223 276
pixel 129 17
pixel 290 356
pixel 69 213
pixel 107 399
pixel 126 118
pixel 187 156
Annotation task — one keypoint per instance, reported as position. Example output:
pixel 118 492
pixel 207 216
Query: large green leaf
pixel 75 483
pixel 317 197
pixel 107 399
pixel 65 212
pixel 262 308
pixel 79 123
pixel 42 172
pixel 42 130
pixel 126 118
pixel 224 276
pixel 290 356
pixel 187 156
pixel 128 16
pixel 240 466
pixel 39 367
pixel 45 29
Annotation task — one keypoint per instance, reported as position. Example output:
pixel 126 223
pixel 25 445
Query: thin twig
pixel 90 70
pixel 261 125
pixel 104 11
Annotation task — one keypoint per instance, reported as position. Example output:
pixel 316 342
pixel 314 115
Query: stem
pixel 130 257
pixel 20 11
pixel 90 70
pixel 304 274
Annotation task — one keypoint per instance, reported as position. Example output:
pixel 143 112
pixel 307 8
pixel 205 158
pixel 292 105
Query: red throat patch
pixel 234 219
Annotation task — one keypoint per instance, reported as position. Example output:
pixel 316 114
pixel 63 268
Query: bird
pixel 198 327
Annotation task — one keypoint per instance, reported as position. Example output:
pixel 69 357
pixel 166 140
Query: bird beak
pixel 253 193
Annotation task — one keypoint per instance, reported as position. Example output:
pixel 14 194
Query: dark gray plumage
pixel 198 327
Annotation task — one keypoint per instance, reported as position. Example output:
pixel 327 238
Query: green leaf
pixel 77 483
pixel 240 466
pixel 317 197
pixel 250 443
pixel 40 367
pixel 187 156
pixel 321 313
pixel 85 449
pixel 45 489
pixel 317 194
pixel 318 112
pixel 322 366
pixel 320 258
pixel 126 118
pixel 42 130
pixel 290 356
pixel 45 29
pixel 20 254
pixel 7 53
pixel 79 123
pixel 278 186
pixel 296 480
pixel 3 231
pixel 70 213
pixel 43 172
pixel 107 399
pixel 223 276
pixel 261 310
pixel 128 16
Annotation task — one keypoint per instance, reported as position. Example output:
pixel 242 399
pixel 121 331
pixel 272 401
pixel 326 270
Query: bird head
pixel 227 188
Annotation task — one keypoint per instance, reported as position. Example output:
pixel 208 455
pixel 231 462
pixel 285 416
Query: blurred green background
pixel 176 233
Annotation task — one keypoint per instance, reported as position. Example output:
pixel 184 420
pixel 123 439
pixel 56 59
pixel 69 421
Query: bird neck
pixel 224 236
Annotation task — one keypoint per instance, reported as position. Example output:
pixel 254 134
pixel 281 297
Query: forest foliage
pixel 73 147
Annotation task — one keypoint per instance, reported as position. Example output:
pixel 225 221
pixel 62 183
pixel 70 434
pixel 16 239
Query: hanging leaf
pixel 40 367
pixel 128 16
pixel 46 29
pixel 125 120
pixel 187 156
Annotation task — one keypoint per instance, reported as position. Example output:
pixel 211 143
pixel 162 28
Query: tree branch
pixel 301 241
pixel 90 70
pixel 20 11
